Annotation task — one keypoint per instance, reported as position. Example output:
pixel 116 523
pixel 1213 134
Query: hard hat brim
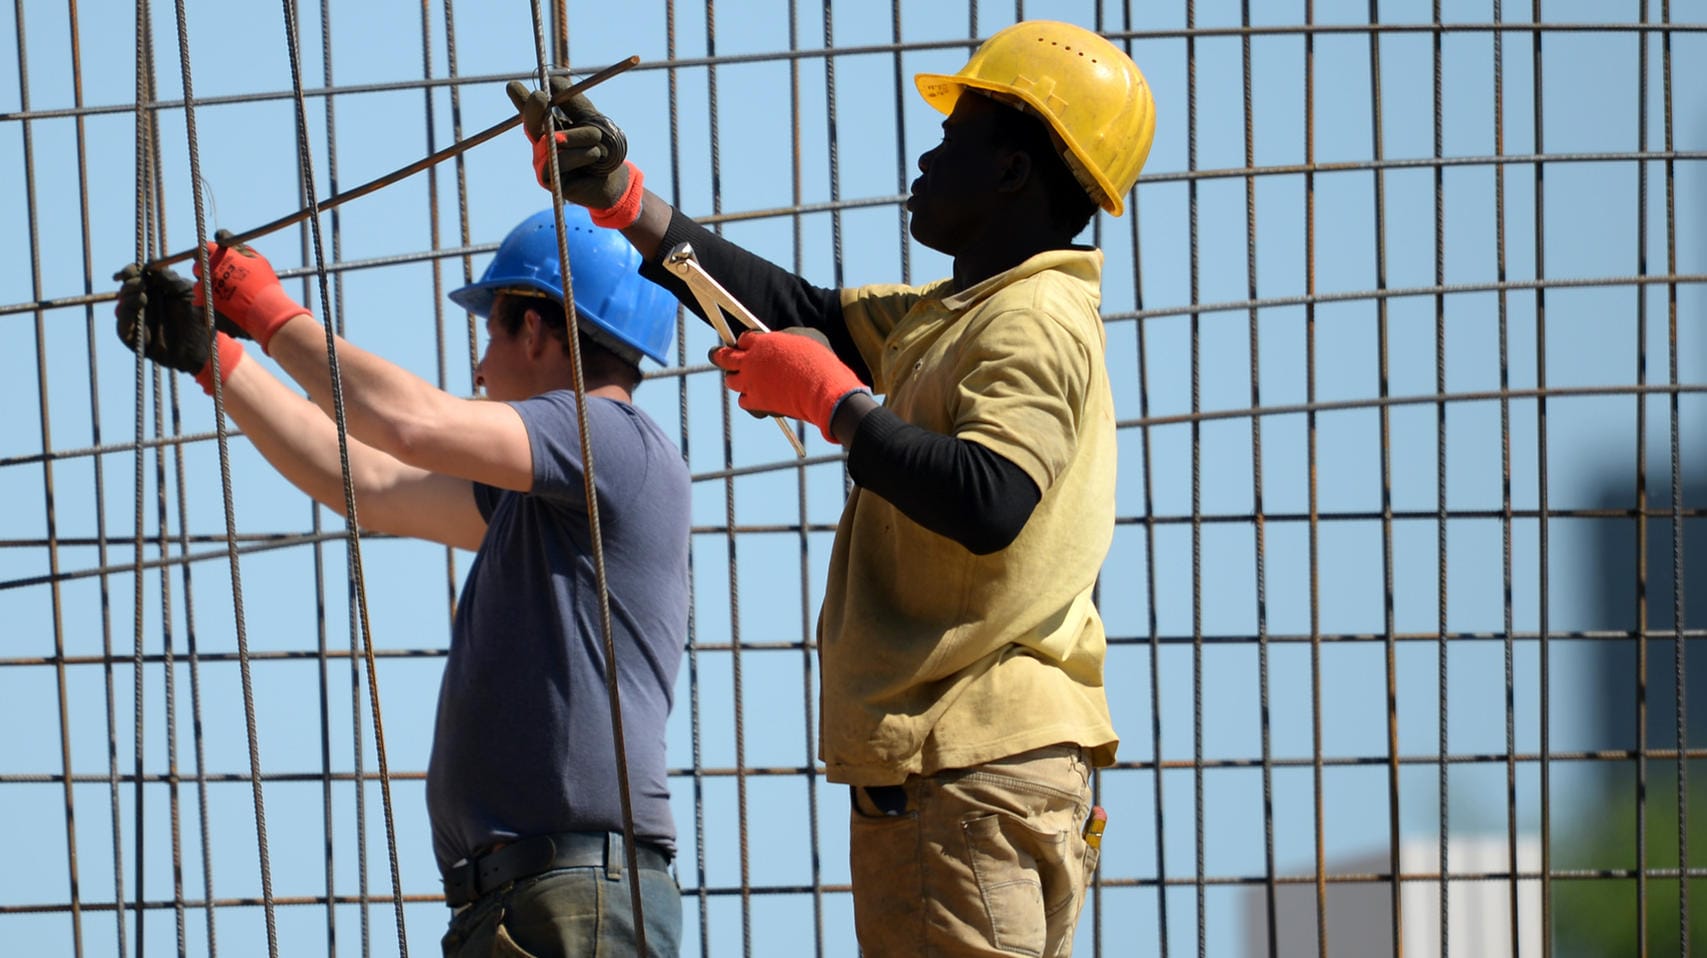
pixel 476 298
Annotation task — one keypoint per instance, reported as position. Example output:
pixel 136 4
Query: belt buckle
pixel 461 886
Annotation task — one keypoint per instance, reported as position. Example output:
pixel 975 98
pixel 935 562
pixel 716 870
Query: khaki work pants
pixel 983 861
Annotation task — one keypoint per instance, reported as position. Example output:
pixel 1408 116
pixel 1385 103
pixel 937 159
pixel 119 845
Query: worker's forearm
pixel 382 401
pixel 776 296
pixel 647 231
pixel 293 435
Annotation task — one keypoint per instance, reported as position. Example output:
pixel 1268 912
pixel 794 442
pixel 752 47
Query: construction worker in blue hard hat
pixel 522 787
pixel 961 651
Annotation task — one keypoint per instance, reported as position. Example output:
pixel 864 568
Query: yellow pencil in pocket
pixel 1094 826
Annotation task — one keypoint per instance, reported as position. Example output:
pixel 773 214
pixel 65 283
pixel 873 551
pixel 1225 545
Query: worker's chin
pixel 921 226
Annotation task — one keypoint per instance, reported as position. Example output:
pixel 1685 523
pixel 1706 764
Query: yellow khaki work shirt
pixel 935 658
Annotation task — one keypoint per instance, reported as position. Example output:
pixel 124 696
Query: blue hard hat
pixel 617 307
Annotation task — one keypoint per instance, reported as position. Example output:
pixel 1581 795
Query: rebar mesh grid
pixel 1404 324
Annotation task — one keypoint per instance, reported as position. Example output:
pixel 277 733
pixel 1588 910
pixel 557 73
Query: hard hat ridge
pixel 615 305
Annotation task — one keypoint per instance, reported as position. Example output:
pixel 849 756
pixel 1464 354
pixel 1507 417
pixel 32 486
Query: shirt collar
pixel 1082 263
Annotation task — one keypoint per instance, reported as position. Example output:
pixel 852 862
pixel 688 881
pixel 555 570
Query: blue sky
pixel 248 157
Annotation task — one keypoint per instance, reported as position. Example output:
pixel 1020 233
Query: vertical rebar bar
pixel 1640 635
pixel 1508 604
pixel 1321 862
pixel 808 621
pixel 245 672
pixel 1389 629
pixel 1542 600
pixel 1441 653
pixel 1199 876
pixel 1680 643
pixel 1259 525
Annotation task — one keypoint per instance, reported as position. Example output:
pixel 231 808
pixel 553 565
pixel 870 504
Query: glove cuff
pixel 836 407
pixel 230 355
pixel 622 214
pixel 270 310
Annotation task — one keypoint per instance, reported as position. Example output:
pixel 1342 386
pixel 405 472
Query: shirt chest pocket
pixel 919 367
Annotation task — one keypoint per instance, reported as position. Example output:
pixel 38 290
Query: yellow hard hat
pixel 1087 89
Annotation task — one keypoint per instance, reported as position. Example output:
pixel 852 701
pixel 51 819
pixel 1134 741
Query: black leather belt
pixel 526 857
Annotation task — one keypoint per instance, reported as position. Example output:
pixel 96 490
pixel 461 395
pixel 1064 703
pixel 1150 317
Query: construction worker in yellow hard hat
pixel 961 652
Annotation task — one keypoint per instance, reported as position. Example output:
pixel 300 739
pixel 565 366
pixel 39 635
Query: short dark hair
pixel 597 361
pixel 1070 207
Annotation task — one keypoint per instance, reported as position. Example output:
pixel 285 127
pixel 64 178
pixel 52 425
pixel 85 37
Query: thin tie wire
pixel 589 481
pixel 247 678
pixel 1259 523
pixel 1441 660
pixel 352 524
pixel 1543 599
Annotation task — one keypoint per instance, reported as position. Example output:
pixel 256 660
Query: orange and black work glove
pixel 156 314
pixel 785 375
pixel 592 153
pixel 246 289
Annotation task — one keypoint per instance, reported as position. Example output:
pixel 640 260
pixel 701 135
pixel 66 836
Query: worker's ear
pixel 536 336
pixel 1015 170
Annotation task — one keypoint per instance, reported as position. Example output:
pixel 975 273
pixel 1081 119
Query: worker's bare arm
pixel 647 231
pixel 302 444
pixel 406 417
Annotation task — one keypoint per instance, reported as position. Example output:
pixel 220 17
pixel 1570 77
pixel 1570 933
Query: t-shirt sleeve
pixel 1023 381
pixel 554 435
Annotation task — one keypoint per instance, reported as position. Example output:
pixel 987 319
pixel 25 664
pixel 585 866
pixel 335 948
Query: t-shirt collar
pixel 1083 263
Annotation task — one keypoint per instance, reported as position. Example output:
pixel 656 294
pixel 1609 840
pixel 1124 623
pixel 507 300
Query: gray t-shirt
pixel 523 743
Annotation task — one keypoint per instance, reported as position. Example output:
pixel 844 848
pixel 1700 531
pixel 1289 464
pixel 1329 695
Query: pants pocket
pixel 1009 884
pixel 503 946
pixel 888 882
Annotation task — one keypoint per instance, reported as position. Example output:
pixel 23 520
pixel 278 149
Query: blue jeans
pixel 568 913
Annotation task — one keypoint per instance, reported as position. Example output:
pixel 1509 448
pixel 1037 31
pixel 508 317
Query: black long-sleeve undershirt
pixel 954 487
